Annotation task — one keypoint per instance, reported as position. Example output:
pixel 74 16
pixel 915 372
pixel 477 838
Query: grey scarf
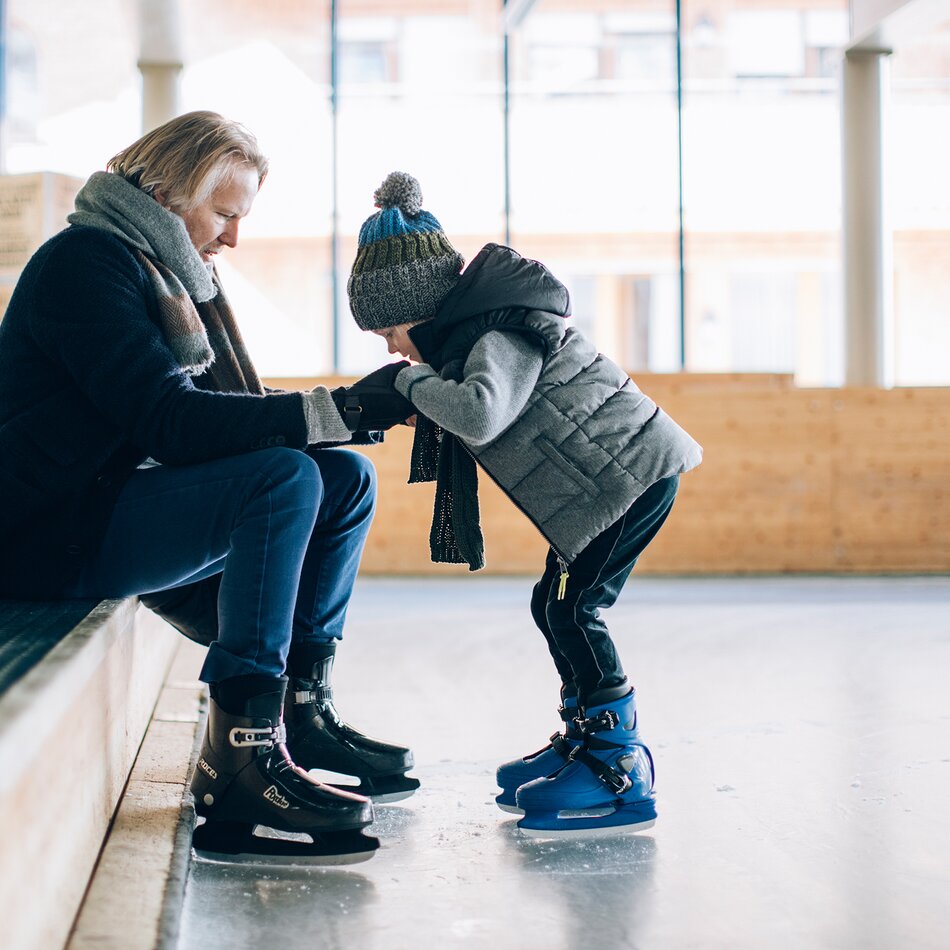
pixel 193 314
pixel 179 278
pixel 110 203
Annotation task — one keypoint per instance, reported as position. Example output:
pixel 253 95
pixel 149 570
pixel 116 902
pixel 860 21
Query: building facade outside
pixel 581 170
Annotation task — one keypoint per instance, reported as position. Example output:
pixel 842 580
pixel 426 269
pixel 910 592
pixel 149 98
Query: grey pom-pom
pixel 399 190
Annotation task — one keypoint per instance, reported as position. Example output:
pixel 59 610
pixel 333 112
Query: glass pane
pixel 919 156
pixel 762 195
pixel 419 92
pixel 272 73
pixel 594 168
pixel 61 115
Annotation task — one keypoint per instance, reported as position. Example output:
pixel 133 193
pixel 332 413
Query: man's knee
pixel 359 470
pixel 349 475
pixel 290 471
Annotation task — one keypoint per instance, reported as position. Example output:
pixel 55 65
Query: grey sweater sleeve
pixel 324 423
pixel 500 374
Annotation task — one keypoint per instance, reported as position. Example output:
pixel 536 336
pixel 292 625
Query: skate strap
pixel 617 782
pixel 321 694
pixel 602 722
pixel 561 746
pixel 239 737
pixel 567 713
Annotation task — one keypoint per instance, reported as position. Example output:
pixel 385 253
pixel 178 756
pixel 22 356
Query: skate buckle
pixel 617 782
pixel 560 745
pixel 321 695
pixel 239 737
pixel 602 722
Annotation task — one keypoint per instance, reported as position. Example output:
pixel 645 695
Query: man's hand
pixel 372 402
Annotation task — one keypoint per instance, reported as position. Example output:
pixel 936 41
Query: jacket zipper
pixel 561 560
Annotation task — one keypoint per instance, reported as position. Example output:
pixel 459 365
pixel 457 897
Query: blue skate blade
pixel 589 823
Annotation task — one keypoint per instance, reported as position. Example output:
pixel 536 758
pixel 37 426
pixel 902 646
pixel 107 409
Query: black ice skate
pixel 245 778
pixel 318 739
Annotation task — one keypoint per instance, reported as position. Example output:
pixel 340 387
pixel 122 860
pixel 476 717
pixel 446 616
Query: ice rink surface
pixel 801 731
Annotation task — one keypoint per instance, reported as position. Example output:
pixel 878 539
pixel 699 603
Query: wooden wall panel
pixel 761 500
pixel 891 479
pixel 793 480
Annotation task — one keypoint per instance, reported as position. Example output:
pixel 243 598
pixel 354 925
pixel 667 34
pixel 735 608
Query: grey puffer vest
pixel 586 446
pixel 588 443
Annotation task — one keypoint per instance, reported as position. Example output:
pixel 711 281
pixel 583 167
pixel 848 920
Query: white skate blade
pixel 511 809
pixel 266 847
pixel 269 860
pixel 350 783
pixel 388 798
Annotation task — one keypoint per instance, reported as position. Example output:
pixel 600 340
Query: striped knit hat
pixel 405 264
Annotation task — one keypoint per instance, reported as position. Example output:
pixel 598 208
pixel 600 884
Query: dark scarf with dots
pixel 456 535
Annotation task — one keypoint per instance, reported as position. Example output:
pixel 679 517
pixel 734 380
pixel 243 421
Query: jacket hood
pixel 500 277
pixel 497 279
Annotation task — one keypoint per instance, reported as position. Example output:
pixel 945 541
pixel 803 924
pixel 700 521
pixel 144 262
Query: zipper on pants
pixel 562 581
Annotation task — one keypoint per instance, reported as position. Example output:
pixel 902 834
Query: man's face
pixel 397 341
pixel 213 224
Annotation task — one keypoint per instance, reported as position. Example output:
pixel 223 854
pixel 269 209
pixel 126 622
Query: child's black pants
pixel 577 637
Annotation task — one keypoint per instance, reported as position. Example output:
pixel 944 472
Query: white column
pixel 160 61
pixel 868 242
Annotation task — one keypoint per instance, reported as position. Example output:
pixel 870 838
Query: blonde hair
pixel 189 157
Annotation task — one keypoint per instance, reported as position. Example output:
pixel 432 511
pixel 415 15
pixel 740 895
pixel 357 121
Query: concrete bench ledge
pixel 70 728
pixel 29 629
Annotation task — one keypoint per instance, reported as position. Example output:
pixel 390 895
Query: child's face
pixel 397 340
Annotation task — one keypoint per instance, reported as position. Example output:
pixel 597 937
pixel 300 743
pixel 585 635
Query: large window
pixel 681 177
pixel 762 193
pixel 72 87
pixel 593 169
pixel 268 66
pixel 418 92
pixel 918 156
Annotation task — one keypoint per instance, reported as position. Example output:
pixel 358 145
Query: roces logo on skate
pixel 207 768
pixel 273 796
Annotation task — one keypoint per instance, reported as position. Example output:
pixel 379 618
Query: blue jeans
pixel 285 528
pixel 577 636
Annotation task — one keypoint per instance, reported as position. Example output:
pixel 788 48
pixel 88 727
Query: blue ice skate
pixel 605 789
pixel 512 775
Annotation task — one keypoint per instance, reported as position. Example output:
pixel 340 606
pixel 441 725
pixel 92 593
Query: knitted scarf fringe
pixel 455 536
pixel 204 338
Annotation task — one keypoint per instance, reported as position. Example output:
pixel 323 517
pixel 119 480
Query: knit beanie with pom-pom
pixel 405 265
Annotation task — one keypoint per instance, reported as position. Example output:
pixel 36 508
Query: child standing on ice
pixel 502 381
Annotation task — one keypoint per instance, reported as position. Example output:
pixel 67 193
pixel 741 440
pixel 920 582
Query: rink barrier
pixel 794 479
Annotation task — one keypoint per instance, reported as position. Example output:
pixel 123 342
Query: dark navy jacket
pixel 88 389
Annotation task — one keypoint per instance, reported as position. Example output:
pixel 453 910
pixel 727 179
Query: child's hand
pixel 384 376
pixel 372 402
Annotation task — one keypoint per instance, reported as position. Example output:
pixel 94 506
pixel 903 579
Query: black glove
pixel 372 402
